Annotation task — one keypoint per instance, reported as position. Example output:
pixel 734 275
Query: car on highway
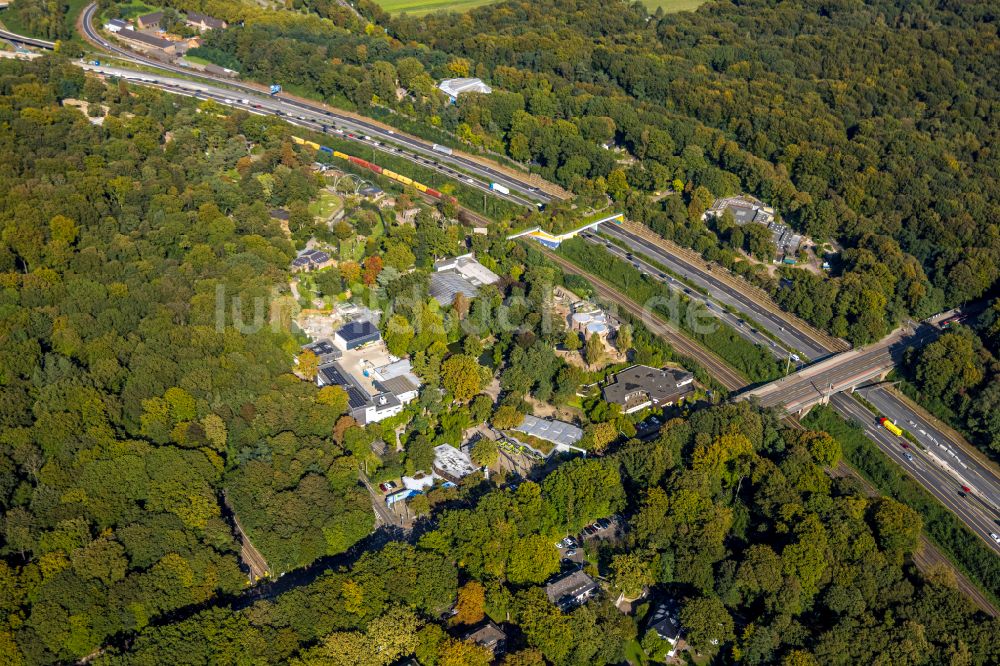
pixel 995 536
pixel 904 445
pixel 909 456
pixel 966 489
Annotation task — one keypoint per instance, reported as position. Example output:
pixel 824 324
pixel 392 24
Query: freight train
pixel 371 166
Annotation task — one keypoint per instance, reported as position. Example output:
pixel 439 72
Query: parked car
pixel 571 552
pixel 603 523
pixel 590 530
pixel 387 486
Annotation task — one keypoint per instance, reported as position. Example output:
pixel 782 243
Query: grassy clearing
pixel 325 206
pixel 418 7
pixel 670 6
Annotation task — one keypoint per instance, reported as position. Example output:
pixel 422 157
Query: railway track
pixel 928 556
pixel 718 368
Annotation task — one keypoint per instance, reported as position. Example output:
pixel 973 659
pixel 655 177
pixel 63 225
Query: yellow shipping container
pixel 420 186
pixel 313 145
pixel 339 154
pixel 405 181
pixel 298 140
pixel 390 174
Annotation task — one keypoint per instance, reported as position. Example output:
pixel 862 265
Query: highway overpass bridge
pixel 814 384
pixel 27 41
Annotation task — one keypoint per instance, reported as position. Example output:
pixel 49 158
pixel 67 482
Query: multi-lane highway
pixel 525 189
pixel 976 473
pixel 847 370
pixel 926 467
pixel 267 105
pixel 711 308
pixel 786 330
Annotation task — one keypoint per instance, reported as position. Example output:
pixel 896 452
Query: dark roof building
pixel 572 589
pixel 309 259
pixel 203 22
pixel 663 620
pixel 144 42
pixel 150 21
pixel 642 386
pixel 355 334
pixel 334 375
pixel 489 636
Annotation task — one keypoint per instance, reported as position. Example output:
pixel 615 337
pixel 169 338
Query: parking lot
pixel 571 547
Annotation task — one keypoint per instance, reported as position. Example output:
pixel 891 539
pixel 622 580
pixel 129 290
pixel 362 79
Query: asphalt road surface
pixel 314 110
pixel 738 324
pixel 926 469
pixel 721 292
pixel 976 474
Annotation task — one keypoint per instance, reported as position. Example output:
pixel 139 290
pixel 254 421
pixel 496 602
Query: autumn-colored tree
pixel 343 424
pixel 373 266
pixel 469 609
pixel 308 364
pixel 350 272
pixel 460 305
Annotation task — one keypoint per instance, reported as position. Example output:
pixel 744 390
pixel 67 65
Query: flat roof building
pixel 452 464
pixel 324 350
pixel 642 386
pixel 455 87
pixel 364 407
pixel 559 433
pixel 355 334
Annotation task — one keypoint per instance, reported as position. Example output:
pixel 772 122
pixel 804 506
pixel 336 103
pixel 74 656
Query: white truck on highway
pixel 497 187
pixel 442 149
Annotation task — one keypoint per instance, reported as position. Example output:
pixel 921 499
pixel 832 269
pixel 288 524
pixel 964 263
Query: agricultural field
pixel 418 7
pixel 670 6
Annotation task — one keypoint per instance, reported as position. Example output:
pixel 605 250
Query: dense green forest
pixel 727 513
pixel 145 370
pixel 862 123
pixel 958 377
pixel 125 407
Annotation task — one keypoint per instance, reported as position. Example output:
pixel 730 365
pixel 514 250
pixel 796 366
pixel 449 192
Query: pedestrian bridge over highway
pixel 816 383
